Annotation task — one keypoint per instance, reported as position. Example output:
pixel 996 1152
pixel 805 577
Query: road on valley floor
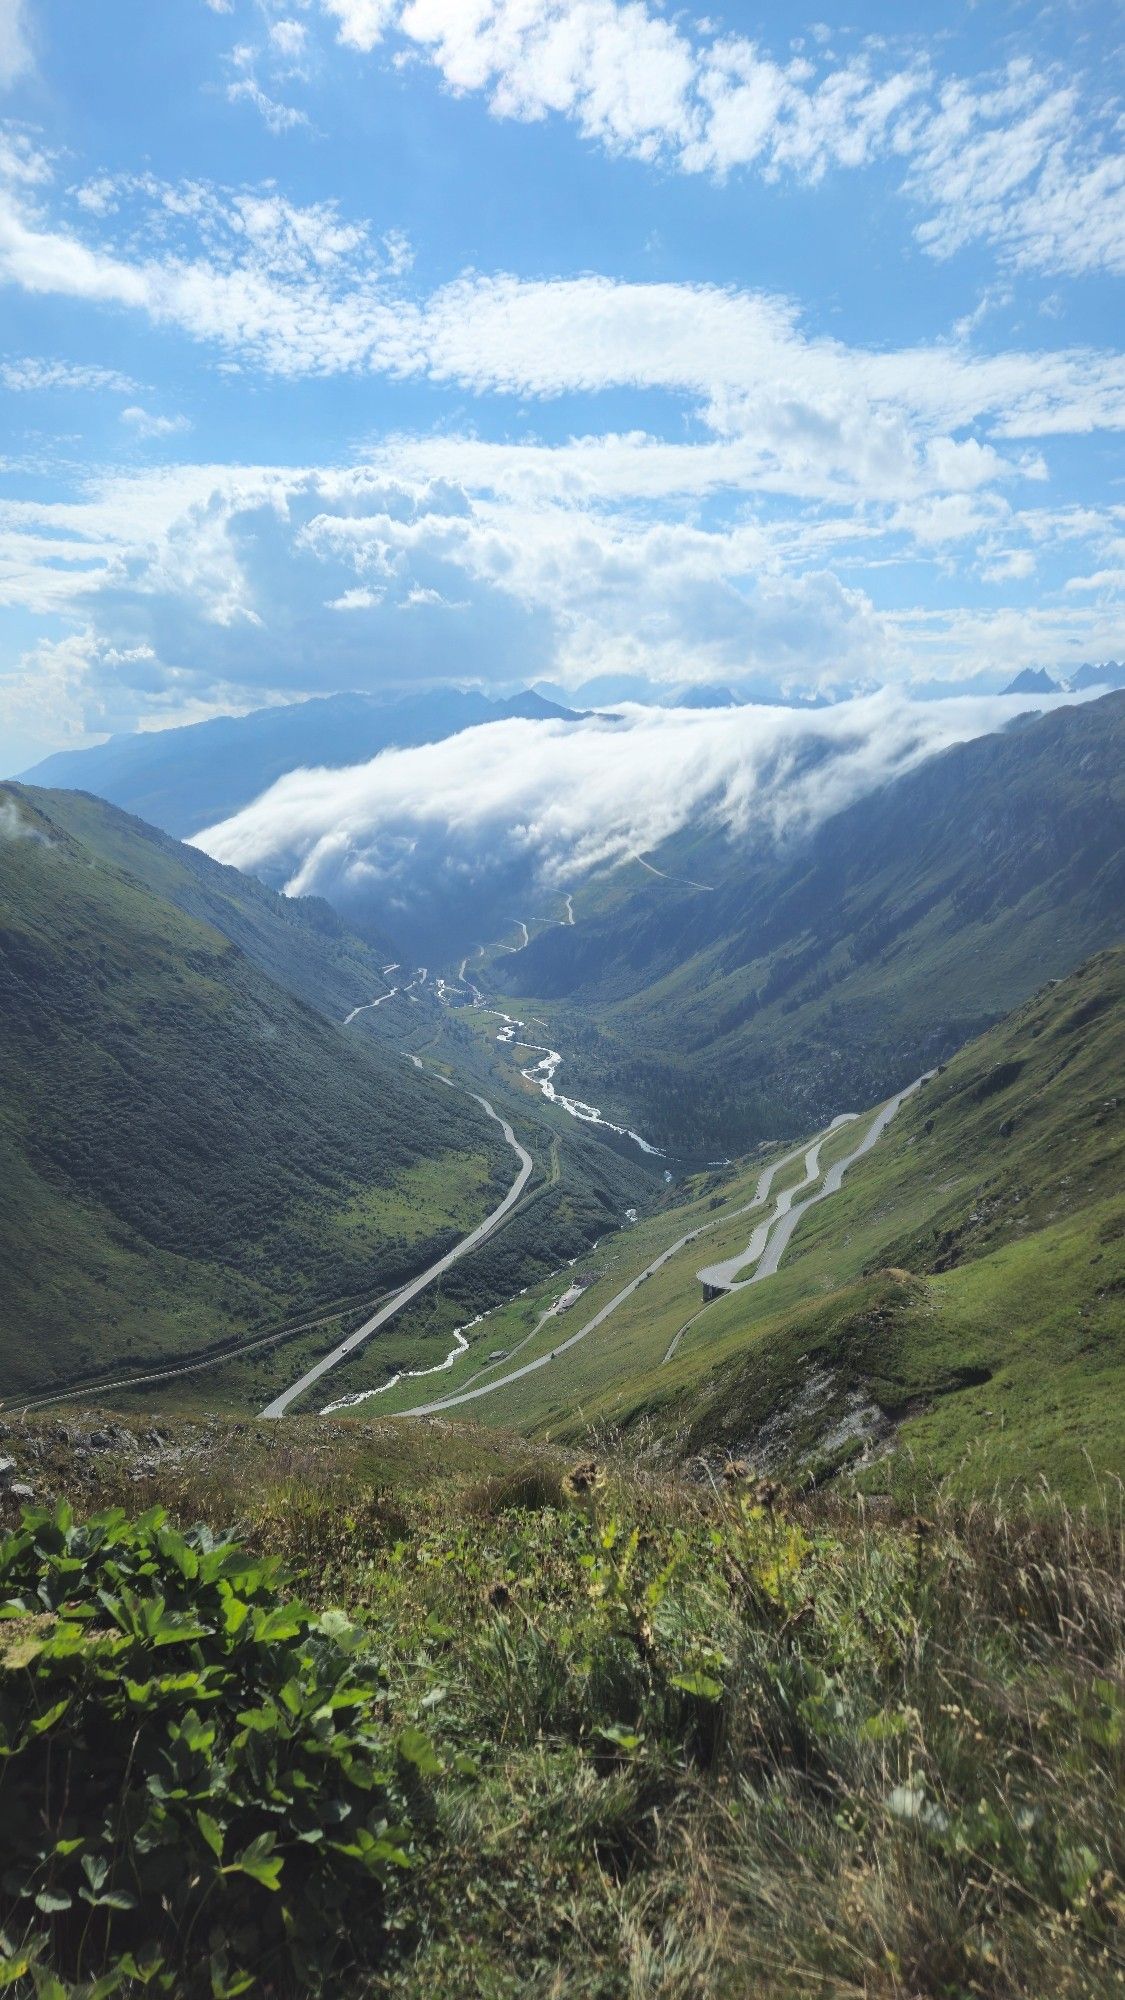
pixel 483 1229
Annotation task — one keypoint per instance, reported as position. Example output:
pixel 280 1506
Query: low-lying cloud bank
pixel 547 802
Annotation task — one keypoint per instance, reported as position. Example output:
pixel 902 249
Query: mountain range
pixel 1036 680
pixel 723 991
pixel 184 779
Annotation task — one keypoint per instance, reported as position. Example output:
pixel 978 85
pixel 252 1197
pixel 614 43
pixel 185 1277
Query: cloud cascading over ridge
pixel 557 799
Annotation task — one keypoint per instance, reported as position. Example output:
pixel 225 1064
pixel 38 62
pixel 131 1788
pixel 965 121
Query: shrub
pixel 192 1767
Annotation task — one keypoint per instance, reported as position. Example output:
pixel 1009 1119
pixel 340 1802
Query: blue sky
pixel 361 343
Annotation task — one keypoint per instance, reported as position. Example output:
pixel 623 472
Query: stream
pixel 542 1075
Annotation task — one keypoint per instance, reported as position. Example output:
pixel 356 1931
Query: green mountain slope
pixel 189 1152
pixel 959 1307
pixel 832 972
pixel 298 941
pixel 983 1330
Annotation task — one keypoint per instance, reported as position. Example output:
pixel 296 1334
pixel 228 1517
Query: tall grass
pixel 700 1740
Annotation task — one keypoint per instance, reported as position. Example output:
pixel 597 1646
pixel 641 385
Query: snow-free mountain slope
pixel 831 971
pixel 191 1154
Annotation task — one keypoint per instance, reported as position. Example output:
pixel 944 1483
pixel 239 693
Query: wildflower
pixel 737 1472
pixel 584 1479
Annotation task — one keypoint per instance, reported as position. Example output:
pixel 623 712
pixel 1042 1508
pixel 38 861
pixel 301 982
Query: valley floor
pixel 950 1311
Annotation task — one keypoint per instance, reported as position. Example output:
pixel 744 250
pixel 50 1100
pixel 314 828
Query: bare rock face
pixel 7 1471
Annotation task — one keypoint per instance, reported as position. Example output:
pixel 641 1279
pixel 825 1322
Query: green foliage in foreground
pixel 675 1742
pixel 196 1770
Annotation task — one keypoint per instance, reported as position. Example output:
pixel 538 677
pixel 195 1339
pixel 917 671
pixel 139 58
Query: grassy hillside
pixel 189 1152
pixel 457 1716
pixel 957 1309
pixel 831 973
pixel 960 1306
pixel 298 941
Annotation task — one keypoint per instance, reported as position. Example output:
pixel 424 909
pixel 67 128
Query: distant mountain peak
pixel 705 695
pixel 1110 674
pixel 1035 680
pixel 533 707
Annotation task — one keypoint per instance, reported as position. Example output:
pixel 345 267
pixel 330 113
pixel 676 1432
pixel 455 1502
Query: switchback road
pixel 784 1216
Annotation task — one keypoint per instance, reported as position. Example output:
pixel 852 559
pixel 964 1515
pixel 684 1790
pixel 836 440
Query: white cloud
pixel 361 22
pixel 1017 166
pixel 13 825
pixel 565 798
pixel 23 164
pixel 1009 566
pixel 276 116
pixel 398 251
pixel 622 73
pixel 636 83
pixel 747 355
pixel 1026 161
pixel 289 39
pixel 290 289
pixel 1111 581
pixel 62 694
pixel 145 425
pixel 15 46
pixel 31 372
pixel 299 291
pixel 97 196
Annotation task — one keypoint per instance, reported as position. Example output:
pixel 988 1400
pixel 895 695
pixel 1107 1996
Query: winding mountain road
pixel 769 1242
pixel 368 1005
pixel 410 1291
pixel 721 1277
pixel 784 1217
